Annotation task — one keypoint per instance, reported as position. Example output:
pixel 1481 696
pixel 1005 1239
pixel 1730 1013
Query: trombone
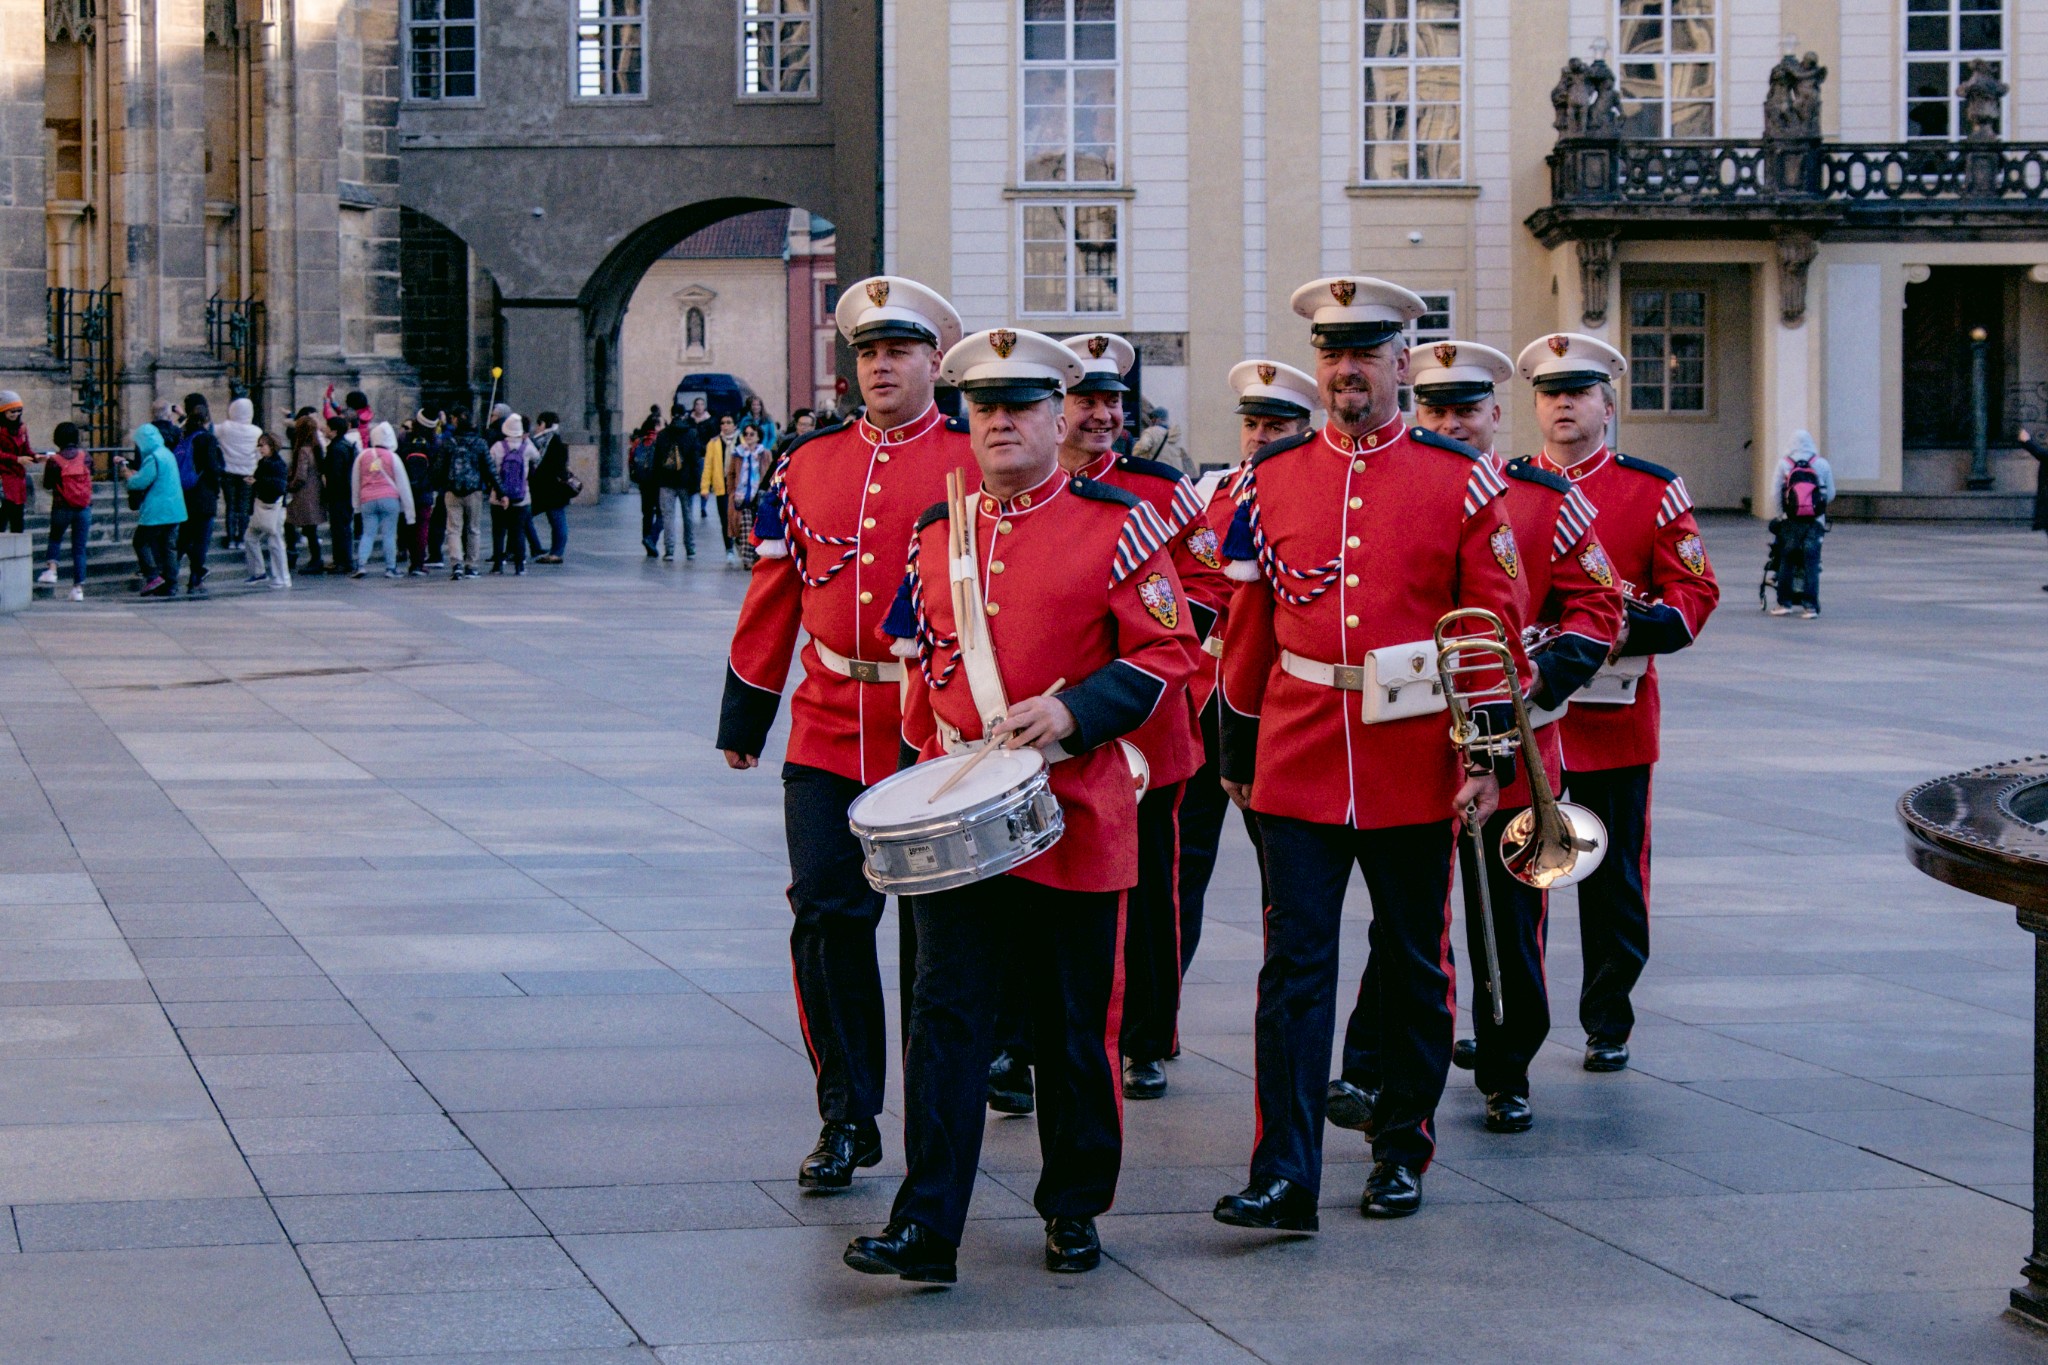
pixel 1549 844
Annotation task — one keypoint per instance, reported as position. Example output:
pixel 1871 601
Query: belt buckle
pixel 1348 677
pixel 863 670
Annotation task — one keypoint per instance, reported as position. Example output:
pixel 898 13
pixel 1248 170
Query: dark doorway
pixel 433 274
pixel 1940 315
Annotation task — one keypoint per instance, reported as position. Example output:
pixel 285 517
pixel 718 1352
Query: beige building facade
pixel 1173 169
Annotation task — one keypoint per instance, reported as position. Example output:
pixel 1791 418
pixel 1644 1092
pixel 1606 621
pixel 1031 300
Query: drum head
pixel 906 798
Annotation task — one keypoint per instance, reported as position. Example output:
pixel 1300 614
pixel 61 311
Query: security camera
pixel 1415 239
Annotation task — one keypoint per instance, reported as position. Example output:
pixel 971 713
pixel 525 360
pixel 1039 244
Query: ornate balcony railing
pixel 1709 173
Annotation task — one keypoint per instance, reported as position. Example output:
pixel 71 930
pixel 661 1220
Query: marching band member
pixel 1076 593
pixel 1356 541
pixel 1643 517
pixel 1568 593
pixel 832 527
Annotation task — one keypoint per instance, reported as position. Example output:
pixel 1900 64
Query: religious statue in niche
pixel 1792 107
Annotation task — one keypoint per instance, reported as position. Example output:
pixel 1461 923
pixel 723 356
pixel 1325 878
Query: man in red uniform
pixel 1643 516
pixel 831 528
pixel 1578 616
pixel 1075 584
pixel 1362 537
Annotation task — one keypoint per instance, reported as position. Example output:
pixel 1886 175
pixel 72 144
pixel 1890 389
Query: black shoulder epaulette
pixel 813 434
pixel 1645 467
pixel 1285 443
pixel 1104 492
pixel 936 512
pixel 956 424
pixel 1158 469
pixel 1424 436
pixel 1521 467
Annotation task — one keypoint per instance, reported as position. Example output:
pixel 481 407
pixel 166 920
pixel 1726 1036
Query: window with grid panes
pixel 610 49
pixel 1071 258
pixel 1437 323
pixel 1667 350
pixel 1665 63
pixel 778 49
pixel 440 49
pixel 1413 86
pixel 1071 73
pixel 1942 38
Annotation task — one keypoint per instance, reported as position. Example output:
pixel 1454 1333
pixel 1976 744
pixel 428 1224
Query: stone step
pixel 1988 506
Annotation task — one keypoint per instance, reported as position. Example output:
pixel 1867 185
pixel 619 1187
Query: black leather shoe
pixel 1391 1191
pixel 1071 1245
pixel 906 1250
pixel 1465 1054
pixel 1350 1106
pixel 841 1147
pixel 1276 1204
pixel 1606 1056
pixel 1506 1113
pixel 1009 1085
pixel 1144 1080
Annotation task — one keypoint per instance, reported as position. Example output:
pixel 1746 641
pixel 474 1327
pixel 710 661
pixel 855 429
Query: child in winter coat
pixel 67 476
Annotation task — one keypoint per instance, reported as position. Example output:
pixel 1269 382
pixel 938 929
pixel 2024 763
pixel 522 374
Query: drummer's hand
pixel 1240 793
pixel 1620 639
pixel 1035 721
pixel 1477 799
pixel 735 759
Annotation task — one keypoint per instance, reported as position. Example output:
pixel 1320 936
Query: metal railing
pixel 1723 173
pixel 81 325
pixel 234 334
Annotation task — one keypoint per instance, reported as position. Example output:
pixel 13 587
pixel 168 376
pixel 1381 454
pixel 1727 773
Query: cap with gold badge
pixel 883 307
pixel 1564 361
pixel 1447 373
pixel 1010 365
pixel 1355 310
pixel 1106 358
pixel 1266 388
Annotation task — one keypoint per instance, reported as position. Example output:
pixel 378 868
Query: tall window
pixel 778 47
pixel 440 46
pixel 1070 258
pixel 1667 350
pixel 1942 38
pixel 610 49
pixel 1414 89
pixel 1437 323
pixel 1666 52
pixel 1070 91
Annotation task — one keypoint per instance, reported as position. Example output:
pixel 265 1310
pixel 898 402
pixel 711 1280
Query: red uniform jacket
pixel 849 496
pixel 1172 740
pixel 1215 519
pixel 1565 587
pixel 1362 545
pixel 1078 586
pixel 1643 516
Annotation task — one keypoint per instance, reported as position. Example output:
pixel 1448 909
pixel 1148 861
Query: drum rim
pixel 964 815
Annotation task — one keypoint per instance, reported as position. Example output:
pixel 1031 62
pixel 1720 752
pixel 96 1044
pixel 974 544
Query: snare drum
pixel 1001 816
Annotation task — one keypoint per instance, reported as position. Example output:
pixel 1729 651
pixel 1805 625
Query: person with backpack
pixel 1805 486
pixel 417 448
pixel 511 503
pixel 269 485
pixel 553 487
pixel 67 476
pixel 382 495
pixel 200 468
pixel 640 472
pixel 337 472
pixel 464 479
pixel 678 468
pixel 158 497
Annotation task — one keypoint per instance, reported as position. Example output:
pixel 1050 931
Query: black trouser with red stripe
pixel 1614 903
pixel 1407 872
pixel 832 945
pixel 1152 945
pixel 1202 808
pixel 1066 946
pixel 1520 915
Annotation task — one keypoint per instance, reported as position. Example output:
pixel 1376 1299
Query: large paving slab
pixel 394 971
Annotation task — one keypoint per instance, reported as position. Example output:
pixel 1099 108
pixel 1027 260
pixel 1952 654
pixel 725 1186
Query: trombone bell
pixel 1548 865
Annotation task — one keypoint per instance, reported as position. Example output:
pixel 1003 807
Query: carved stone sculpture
pixel 1792 107
pixel 1983 97
pixel 1796 251
pixel 67 21
pixel 1586 102
pixel 1596 268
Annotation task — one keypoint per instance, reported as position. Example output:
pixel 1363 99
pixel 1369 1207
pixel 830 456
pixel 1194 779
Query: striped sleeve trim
pixel 1486 484
pixel 1677 502
pixel 1144 535
pixel 1187 505
pixel 1574 519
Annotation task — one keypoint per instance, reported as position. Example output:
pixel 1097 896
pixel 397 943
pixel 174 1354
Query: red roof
pixel 747 236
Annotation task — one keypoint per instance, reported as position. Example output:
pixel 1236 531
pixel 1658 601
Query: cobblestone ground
pixel 393 970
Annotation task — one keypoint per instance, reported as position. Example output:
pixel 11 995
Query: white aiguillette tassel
pixel 1242 571
pixel 773 549
pixel 904 649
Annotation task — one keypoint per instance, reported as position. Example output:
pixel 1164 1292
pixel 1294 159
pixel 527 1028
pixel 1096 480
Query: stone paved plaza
pixel 394 971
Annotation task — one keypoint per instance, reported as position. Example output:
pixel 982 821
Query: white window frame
pixel 1664 61
pixel 1955 58
pixel 604 23
pixel 1410 64
pixel 1072 206
pixel 1444 301
pixel 1070 66
pixel 406 24
pixel 773 12
pixel 1629 331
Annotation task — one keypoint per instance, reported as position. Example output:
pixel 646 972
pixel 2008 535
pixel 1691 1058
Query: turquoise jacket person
pixel 164 503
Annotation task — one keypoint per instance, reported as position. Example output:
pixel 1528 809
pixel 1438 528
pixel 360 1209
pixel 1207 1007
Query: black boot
pixel 1465 1054
pixel 1275 1204
pixel 1071 1245
pixel 841 1147
pixel 907 1250
pixel 1009 1086
pixel 1507 1112
pixel 1606 1056
pixel 1350 1106
pixel 1391 1191
pixel 1143 1080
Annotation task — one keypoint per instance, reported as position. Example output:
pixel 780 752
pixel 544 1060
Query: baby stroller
pixel 1773 558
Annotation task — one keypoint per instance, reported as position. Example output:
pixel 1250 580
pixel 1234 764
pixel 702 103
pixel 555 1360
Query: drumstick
pixel 988 747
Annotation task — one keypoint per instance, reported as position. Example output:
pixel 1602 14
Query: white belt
pixel 1395 682
pixel 860 670
pixel 1343 677
pixel 1538 717
pixel 1213 646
